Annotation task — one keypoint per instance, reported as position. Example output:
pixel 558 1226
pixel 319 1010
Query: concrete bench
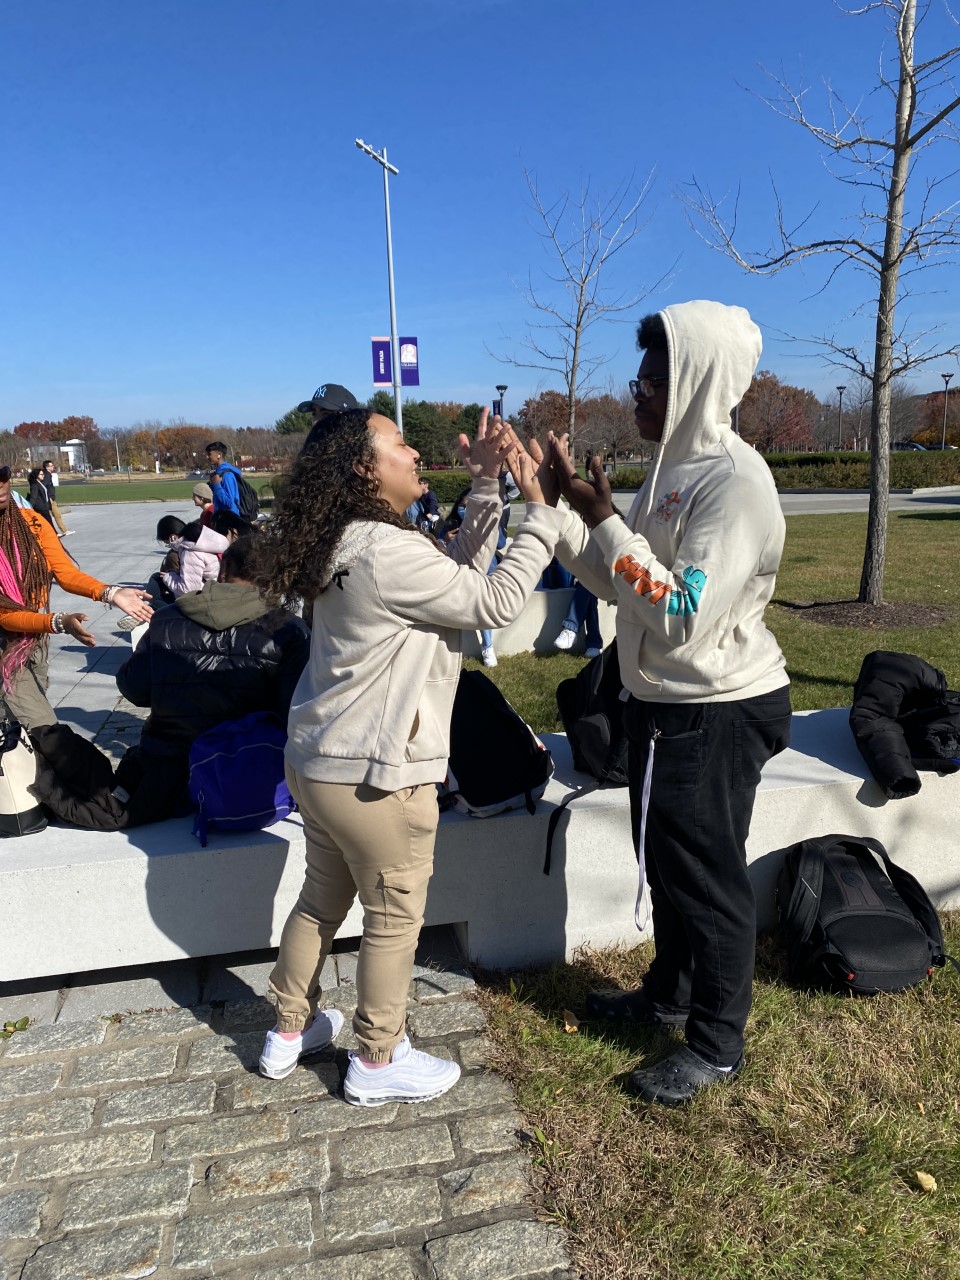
pixel 79 900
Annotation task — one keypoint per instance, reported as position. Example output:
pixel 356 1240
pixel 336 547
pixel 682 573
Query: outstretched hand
pixel 591 499
pixel 495 441
pixel 134 602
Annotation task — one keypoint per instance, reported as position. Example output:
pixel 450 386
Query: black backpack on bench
pixel 591 709
pixel 852 924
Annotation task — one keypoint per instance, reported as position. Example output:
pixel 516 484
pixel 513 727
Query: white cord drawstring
pixel 641 913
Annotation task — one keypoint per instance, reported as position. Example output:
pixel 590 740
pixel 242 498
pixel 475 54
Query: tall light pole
pixel 501 392
pixel 946 382
pixel 381 159
pixel 840 391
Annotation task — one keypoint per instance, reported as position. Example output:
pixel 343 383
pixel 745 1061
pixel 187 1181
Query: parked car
pixel 908 446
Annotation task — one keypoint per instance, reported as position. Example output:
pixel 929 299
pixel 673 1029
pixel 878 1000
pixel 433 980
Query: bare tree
pixel 582 235
pixel 889 240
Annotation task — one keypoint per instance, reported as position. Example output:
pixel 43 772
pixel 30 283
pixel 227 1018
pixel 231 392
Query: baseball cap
pixel 329 396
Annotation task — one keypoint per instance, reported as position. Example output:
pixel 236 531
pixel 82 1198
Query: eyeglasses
pixel 5 474
pixel 644 388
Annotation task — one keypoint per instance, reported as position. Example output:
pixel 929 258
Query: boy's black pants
pixel 707 762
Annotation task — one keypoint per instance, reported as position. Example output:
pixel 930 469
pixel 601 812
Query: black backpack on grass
pixel 591 709
pixel 853 925
pixel 496 760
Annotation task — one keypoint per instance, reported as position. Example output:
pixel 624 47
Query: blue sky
pixel 187 229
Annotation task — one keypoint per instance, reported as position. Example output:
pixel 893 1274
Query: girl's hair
pixel 460 500
pixel 169 527
pixel 331 485
pixel 225 522
pixel 453 521
pixel 239 560
pixel 24 584
pixel 35 474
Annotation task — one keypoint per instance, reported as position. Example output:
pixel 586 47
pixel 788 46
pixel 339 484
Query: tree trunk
pixel 875 552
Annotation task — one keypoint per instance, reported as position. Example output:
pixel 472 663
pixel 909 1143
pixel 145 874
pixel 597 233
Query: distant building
pixel 68 455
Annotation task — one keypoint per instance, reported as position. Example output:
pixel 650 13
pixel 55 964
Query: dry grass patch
pixel 802 1169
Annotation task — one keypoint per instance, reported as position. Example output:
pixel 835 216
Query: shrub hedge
pixel 846 470
pixel 841 470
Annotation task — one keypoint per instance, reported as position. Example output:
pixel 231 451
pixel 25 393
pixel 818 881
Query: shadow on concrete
pixel 184 890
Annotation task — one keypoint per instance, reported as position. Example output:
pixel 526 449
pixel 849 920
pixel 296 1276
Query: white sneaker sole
pixel 381 1099
pixel 273 1073
pixel 281 1073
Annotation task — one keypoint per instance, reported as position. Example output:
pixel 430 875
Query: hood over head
pixel 713 351
pixel 222 605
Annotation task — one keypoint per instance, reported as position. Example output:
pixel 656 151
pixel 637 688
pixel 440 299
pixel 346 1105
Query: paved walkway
pixel 139 1139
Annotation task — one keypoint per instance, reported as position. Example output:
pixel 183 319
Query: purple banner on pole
pixel 382 369
pixel 497 407
pixel 409 363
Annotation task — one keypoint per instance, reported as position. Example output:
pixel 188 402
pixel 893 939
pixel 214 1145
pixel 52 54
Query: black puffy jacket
pixel 214 655
pixel 904 718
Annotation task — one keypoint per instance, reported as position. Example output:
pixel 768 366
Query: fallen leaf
pixel 921 1108
pixel 571 1023
pixel 860 1229
pixel 926 1181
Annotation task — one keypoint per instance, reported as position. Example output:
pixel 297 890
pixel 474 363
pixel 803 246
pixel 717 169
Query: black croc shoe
pixel 629 1006
pixel 678 1079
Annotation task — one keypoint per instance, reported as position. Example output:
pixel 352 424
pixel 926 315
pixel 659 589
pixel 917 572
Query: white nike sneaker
pixel 280 1056
pixel 565 640
pixel 488 657
pixel 411 1076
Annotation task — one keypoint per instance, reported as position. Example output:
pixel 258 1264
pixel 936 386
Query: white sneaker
pixel 127 623
pixel 280 1056
pixel 412 1076
pixel 592 653
pixel 565 640
pixel 488 657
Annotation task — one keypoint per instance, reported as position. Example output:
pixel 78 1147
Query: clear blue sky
pixel 188 230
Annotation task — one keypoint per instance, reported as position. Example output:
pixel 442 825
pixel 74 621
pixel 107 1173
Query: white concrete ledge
pixel 80 900
pixel 539 625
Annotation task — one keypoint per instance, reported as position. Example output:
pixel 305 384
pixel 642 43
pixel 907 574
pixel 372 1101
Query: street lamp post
pixel 946 383
pixel 381 159
pixel 840 391
pixel 501 392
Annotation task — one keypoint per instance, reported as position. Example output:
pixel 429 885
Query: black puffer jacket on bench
pixel 904 718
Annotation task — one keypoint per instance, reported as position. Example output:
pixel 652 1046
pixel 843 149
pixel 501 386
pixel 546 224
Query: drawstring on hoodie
pixel 640 911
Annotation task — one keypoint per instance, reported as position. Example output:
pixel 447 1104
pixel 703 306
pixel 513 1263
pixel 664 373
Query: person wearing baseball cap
pixel 328 398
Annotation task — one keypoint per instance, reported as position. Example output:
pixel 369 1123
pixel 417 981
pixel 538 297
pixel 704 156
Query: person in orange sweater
pixel 30 553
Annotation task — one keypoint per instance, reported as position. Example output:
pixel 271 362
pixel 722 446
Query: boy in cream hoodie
pixel 692 568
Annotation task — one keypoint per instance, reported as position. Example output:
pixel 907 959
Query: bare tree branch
pixel 582 236
pixel 892 242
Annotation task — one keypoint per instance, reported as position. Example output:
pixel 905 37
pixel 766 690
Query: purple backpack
pixel 236 776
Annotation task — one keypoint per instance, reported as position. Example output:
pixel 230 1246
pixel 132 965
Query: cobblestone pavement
pixel 146 1144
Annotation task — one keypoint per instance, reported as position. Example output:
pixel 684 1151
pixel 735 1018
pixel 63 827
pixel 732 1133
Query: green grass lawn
pixel 802 1169
pixel 805 1168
